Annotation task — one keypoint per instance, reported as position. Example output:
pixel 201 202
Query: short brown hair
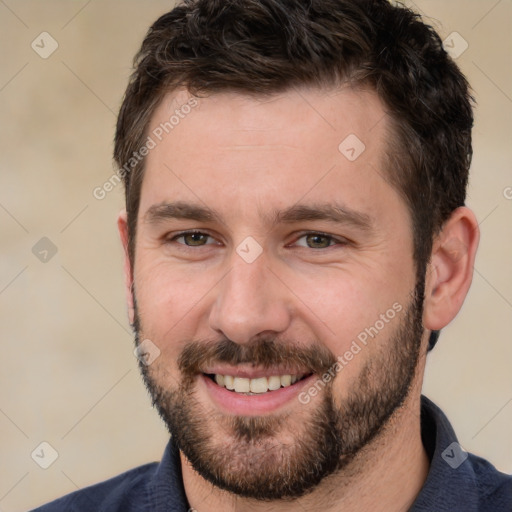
pixel 261 47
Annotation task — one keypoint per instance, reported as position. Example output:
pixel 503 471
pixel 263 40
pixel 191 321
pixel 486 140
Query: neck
pixel 385 476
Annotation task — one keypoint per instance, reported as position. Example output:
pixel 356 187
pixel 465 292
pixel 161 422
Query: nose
pixel 251 300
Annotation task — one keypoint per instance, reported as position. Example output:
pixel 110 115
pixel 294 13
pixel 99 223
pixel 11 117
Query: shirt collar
pixel 451 483
pixel 165 491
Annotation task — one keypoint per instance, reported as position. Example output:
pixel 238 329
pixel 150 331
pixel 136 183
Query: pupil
pixel 316 241
pixel 195 238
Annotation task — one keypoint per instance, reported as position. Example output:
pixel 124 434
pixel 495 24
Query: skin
pixel 244 157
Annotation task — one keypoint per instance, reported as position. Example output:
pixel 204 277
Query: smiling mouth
pixel 257 386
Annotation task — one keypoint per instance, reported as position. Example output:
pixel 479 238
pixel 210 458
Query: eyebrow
pixel 330 212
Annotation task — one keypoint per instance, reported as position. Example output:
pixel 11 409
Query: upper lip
pixel 249 372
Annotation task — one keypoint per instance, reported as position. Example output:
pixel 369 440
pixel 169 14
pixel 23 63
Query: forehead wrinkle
pixel 271 147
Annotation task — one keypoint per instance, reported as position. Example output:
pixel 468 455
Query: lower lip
pixel 253 405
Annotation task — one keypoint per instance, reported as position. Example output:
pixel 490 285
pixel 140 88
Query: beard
pixel 286 455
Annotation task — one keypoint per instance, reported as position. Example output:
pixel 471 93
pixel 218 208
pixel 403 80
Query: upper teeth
pixel 259 385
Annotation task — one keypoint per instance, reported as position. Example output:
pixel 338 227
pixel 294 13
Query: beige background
pixel 69 376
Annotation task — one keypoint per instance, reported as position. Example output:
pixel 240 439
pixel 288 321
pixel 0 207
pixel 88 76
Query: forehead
pixel 320 115
pixel 269 152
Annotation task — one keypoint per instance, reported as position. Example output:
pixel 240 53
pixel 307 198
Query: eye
pixel 311 240
pixel 192 239
pixel 318 241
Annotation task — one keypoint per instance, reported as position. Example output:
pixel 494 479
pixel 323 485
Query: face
pixel 273 272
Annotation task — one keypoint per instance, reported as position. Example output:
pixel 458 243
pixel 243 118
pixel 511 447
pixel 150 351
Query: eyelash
pixel 340 242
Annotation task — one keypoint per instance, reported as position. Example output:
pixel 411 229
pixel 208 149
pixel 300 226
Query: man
pixel 295 237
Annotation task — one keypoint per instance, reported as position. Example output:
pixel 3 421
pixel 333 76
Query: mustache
pixel 264 352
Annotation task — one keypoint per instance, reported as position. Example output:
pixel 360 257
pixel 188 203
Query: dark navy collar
pixel 450 484
pixel 165 491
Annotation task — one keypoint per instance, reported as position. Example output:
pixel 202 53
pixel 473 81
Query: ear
pixel 450 271
pixel 122 226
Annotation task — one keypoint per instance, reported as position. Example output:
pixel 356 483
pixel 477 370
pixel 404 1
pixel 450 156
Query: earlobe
pixel 122 225
pixel 451 268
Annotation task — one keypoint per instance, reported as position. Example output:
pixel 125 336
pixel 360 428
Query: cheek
pixel 169 285
pixel 348 302
pixel 355 318
pixel 170 300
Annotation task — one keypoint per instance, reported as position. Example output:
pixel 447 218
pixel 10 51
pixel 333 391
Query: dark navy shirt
pixel 456 482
